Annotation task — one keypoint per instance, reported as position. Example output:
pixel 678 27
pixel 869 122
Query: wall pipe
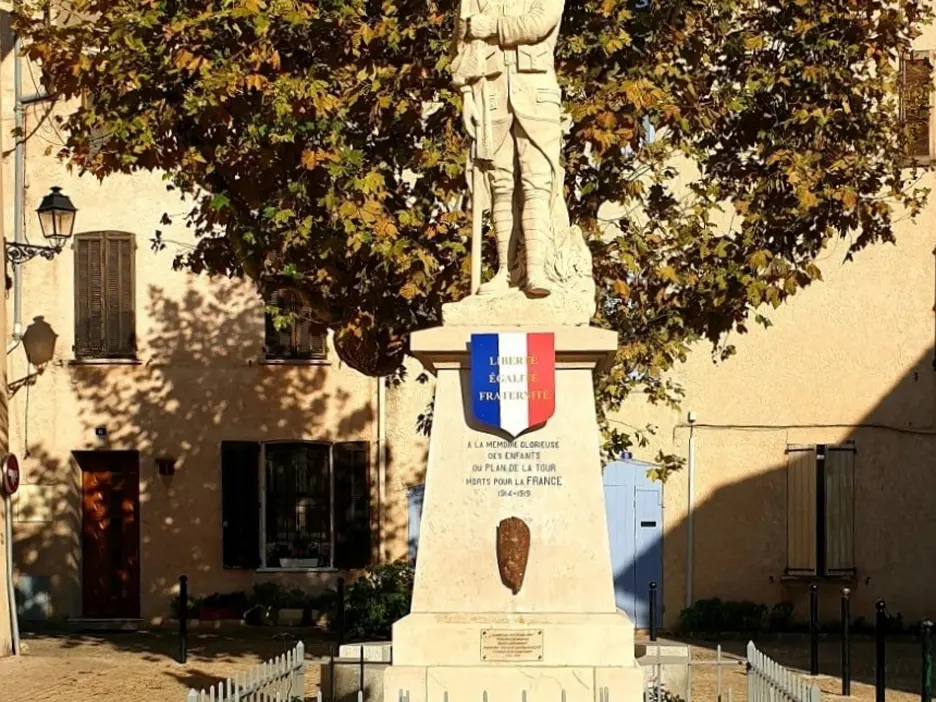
pixel 381 461
pixel 11 593
pixel 690 507
pixel 19 185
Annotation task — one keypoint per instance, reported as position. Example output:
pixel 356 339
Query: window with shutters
pixel 916 103
pixel 302 339
pixel 821 510
pixel 105 325
pixel 295 505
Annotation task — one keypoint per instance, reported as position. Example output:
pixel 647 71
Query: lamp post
pixel 57 220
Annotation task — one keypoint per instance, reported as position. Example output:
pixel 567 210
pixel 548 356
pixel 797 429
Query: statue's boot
pixel 502 215
pixel 536 227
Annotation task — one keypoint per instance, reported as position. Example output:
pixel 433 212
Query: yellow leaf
pixel 668 273
pixel 409 291
pixel 310 159
pixel 622 289
pixel 807 199
pixel 256 81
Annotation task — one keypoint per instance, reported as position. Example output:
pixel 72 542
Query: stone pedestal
pixel 560 637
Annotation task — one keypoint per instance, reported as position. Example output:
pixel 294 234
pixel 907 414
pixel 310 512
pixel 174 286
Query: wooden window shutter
pixel 839 509
pixel 352 504
pixel 240 504
pixel 304 339
pixel 89 298
pixel 311 337
pixel 801 510
pixel 916 86
pixel 278 341
pixel 118 297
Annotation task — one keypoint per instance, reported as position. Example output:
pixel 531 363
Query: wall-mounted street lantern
pixel 57 220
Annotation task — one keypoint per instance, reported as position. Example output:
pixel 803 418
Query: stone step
pixel 374 652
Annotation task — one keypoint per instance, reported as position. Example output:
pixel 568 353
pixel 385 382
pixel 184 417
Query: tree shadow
pixel 740 528
pixel 200 380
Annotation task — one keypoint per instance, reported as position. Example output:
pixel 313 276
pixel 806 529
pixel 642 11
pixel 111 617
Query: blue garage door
pixel 634 507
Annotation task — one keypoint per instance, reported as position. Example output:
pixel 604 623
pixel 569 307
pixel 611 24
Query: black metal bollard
pixel 341 611
pixel 926 636
pixel 653 606
pixel 183 619
pixel 361 674
pixel 814 629
pixel 880 657
pixel 846 642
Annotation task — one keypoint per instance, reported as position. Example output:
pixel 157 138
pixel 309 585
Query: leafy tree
pixel 296 129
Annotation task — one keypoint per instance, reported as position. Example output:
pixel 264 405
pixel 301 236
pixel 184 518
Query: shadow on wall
pixel 740 528
pixel 200 382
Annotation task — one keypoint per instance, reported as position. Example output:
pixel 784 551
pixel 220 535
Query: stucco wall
pixel 200 380
pixel 850 358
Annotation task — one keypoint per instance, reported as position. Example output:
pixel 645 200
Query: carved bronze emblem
pixel 513 552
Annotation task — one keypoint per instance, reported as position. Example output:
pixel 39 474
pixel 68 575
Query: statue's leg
pixel 536 176
pixel 502 195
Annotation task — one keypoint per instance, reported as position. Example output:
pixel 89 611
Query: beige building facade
pixel 172 433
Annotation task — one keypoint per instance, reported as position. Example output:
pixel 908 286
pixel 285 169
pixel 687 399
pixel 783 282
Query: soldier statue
pixel 504 68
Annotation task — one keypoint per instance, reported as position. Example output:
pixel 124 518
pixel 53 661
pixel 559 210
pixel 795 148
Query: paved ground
pixel 903 669
pixel 134 667
pixel 141 667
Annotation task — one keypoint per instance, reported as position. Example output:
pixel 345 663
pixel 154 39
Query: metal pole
pixel 846 642
pixel 361 674
pixel 690 490
pixel 183 619
pixel 653 606
pixel 926 634
pixel 814 629
pixel 880 658
pixel 477 232
pixel 341 612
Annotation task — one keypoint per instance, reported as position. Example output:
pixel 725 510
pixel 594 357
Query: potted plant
pixel 304 553
pixel 264 600
pixel 217 606
pixel 292 608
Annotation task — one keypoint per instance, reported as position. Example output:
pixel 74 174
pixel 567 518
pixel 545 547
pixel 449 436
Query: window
pixel 821 510
pixel 916 106
pixel 301 340
pixel 104 305
pixel 295 505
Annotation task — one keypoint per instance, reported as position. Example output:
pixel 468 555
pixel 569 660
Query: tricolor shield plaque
pixel 513 380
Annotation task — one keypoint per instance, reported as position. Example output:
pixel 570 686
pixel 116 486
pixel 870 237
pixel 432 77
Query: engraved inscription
pixel 511 645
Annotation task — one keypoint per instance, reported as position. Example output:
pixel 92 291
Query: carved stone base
pixel 565 308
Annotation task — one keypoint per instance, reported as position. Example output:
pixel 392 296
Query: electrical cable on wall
pixel 778 427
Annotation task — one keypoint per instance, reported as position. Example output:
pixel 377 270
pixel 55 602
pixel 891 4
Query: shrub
pixel 372 603
pixel 266 594
pixel 714 616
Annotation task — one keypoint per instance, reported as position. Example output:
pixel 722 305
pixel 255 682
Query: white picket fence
pixel 279 680
pixel 768 681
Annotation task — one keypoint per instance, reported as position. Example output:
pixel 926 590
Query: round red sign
pixel 11 474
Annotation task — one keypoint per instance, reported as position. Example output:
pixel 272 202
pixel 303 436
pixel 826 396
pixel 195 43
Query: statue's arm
pixel 459 49
pixel 531 28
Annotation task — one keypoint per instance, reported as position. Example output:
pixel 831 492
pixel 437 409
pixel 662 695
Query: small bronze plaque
pixel 513 552
pixel 511 645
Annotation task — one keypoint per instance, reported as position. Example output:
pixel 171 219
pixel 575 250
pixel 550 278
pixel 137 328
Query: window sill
pixel 105 362
pixel 321 569
pixel 806 578
pixel 294 362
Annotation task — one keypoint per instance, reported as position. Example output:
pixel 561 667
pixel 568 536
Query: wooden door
pixel 110 540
